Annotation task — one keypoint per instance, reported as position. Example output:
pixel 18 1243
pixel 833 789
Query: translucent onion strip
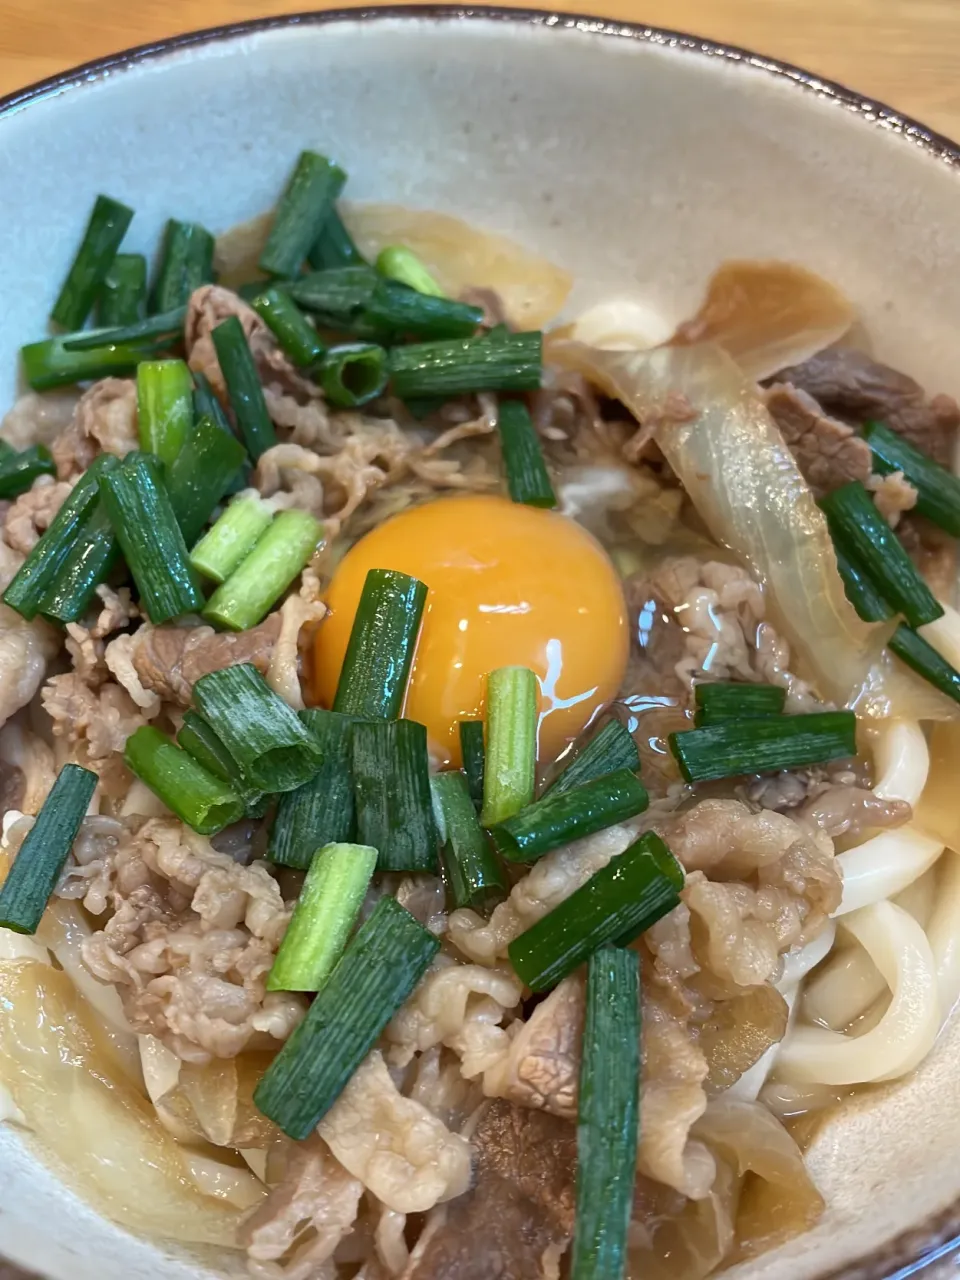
pixel 944 933
pixel 944 634
pixel 718 437
pixel 883 866
pixel 620 325
pixel 903 1036
pixel 224 1181
pixel 901 760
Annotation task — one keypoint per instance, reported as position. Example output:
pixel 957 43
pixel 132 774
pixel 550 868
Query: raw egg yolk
pixel 509 585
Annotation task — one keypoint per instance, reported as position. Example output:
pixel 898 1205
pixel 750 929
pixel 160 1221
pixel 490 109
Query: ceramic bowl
pixel 639 159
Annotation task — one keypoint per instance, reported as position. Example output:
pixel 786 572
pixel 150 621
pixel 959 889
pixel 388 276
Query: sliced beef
pixel 850 385
pixel 828 452
pixel 169 660
pixel 521 1204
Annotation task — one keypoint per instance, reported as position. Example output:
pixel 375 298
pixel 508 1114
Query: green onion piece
pixel 301 214
pixel 329 903
pixel 243 386
pixel 511 761
pixel 92 557
pixel 197 797
pixel 322 810
pixel 423 406
pixel 186 262
pixel 198 739
pixel 201 474
pixel 607 1115
pixel 206 403
pixel 376 666
pixel 264 736
pixel 513 362
pixel 860 590
pixel 154 333
pixel 527 477
pixel 730 700
pixel 262 577
pixel 925 660
pixel 38 572
pixel 399 263
pixel 145 525
pixel 50 364
pixel 938 490
pixel 223 548
pixel 764 745
pixel 620 901
pixel 123 291
pixel 557 819
pixel 394 311
pixel 391 787
pixel 338 294
pixel 353 375
pixel 44 852
pixel 101 240
pixel 610 748
pixel 859 529
pixel 472 750
pixel 164 407
pixel 383 963
pixel 473 875
pixel 19 470
pixel 334 246
pixel 291 328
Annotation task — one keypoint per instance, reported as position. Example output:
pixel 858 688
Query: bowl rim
pixel 938 1235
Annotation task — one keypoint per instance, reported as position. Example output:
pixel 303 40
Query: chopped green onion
pixel 45 849
pixel 383 963
pixel 145 525
pixel 557 819
pixel 197 797
pixel 923 658
pixel 223 548
pixel 394 311
pixel 764 745
pixel 329 903
pixel 376 666
pixel 39 571
pixel 511 761
pixel 472 750
pixel 730 700
pixel 201 474
pixel 527 477
pixel 513 362
pixel 123 291
pixel 334 246
pixel 860 590
pixel 322 810
pixel 91 559
pixel 206 403
pixel 391 787
pixel 610 748
pixel 397 262
pixel 336 296
pixel 618 902
pixel 198 739
pixel 263 576
pixel 291 328
pixel 473 875
pixel 154 333
pixel 164 407
pixel 353 375
pixel 243 386
pixel 19 470
pixel 264 736
pixel 186 262
pixel 859 528
pixel 50 363
pixel 938 490
pixel 301 214
pixel 607 1115
pixel 101 240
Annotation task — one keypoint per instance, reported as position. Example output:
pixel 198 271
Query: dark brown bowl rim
pixel 938 1235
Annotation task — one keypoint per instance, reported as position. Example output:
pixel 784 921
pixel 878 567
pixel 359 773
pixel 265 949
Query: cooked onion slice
pixel 768 315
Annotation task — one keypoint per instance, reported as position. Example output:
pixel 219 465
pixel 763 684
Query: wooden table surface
pixel 904 52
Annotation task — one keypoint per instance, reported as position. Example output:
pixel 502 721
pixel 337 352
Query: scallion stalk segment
pixel 731 748
pixel 291 328
pixel 354 374
pixel 186 262
pixel 153 333
pixel 322 811
pixel 198 739
pixel 164 407
pixel 18 470
pixel 223 548
pixel 201 474
pixel 376 666
pixel 473 876
pixel 107 226
pixel 527 477
pixel 611 747
pixel 512 362
pixel 92 557
pixel 301 214
pixel 399 263
pixel 730 700
pixel 262 577
pixel 198 798
pixel 511 760
pixel 51 363
pixel 938 490
pixel 123 291
pixel 334 246
pixel 473 753
pixel 391 787
pixel 243 386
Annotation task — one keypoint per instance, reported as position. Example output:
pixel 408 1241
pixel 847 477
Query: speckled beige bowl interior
pixel 637 160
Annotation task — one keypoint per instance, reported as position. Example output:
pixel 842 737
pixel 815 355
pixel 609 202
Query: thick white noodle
pixel 901 759
pixel 883 866
pixel 845 988
pixel 903 1036
pixel 944 933
pixel 944 634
